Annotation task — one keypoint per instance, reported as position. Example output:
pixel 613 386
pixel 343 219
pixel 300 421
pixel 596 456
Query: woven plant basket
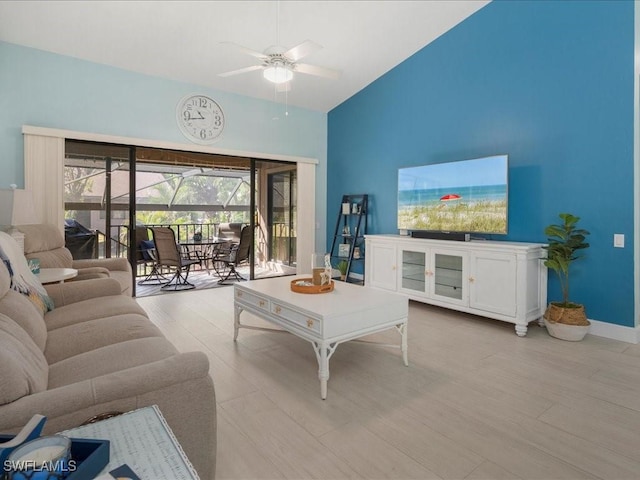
pixel 567 316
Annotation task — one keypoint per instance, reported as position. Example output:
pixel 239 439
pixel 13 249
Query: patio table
pixel 203 250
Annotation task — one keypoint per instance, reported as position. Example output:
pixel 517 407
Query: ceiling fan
pixel 278 64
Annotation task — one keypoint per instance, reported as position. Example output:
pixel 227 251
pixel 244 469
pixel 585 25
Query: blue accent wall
pixel 550 83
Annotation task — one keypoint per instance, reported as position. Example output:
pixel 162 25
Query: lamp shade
pixel 16 207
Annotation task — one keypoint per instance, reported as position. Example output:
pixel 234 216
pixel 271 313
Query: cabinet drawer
pixel 297 318
pixel 252 299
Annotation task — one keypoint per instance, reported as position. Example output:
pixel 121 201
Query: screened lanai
pixel 192 193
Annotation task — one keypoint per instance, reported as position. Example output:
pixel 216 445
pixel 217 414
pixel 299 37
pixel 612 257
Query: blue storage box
pixel 91 456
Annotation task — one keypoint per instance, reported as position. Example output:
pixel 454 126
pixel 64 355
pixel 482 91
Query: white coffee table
pixel 56 275
pixel 326 320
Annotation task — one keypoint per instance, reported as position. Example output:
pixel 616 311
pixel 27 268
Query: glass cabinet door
pixel 448 276
pixel 414 270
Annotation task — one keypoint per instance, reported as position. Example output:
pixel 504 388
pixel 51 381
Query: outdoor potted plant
pixel 565 320
pixel 342 267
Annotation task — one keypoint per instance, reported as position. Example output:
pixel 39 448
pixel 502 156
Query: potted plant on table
pixel 565 320
pixel 342 267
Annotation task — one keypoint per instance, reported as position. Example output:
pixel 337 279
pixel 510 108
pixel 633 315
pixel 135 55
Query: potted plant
pixel 342 267
pixel 566 319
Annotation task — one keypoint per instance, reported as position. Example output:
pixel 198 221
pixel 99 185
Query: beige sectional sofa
pixel 46 243
pixel 98 352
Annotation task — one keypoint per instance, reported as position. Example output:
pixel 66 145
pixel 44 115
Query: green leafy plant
pixel 565 243
pixel 342 267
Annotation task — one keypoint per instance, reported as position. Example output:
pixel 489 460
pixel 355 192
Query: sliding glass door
pixel 97 184
pixel 111 189
pixel 281 217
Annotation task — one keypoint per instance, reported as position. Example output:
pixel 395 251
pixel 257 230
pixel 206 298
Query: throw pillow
pixel 146 247
pixel 22 279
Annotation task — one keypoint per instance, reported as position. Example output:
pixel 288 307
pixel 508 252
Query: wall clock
pixel 200 119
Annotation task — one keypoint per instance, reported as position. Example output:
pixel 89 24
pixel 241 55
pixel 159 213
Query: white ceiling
pixel 181 40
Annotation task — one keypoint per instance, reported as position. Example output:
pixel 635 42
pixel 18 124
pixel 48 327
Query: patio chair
pixel 238 254
pixel 230 232
pixel 147 257
pixel 168 255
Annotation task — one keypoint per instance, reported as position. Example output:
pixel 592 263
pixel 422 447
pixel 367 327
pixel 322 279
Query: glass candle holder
pixel 317 267
pixel 45 458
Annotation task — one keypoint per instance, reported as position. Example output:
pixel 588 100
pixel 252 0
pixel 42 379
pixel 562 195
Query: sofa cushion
pixel 41 237
pixel 72 292
pixel 91 272
pixel 22 279
pixel 23 368
pixel 26 315
pixel 46 243
pixel 92 309
pixel 58 258
pixel 83 337
pixel 109 359
pixel 124 278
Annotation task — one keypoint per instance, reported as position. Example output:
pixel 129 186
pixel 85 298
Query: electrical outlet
pixel 618 240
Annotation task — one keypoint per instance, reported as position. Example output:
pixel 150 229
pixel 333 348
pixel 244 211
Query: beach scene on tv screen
pixel 465 196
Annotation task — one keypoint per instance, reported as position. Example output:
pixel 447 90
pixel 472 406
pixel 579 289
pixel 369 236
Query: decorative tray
pixel 305 285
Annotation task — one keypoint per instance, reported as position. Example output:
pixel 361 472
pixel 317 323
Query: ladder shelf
pixel 348 237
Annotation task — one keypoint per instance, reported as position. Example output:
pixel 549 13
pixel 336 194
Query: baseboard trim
pixel 599 329
pixel 615 332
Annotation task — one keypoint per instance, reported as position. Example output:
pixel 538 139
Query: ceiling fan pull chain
pixel 277 22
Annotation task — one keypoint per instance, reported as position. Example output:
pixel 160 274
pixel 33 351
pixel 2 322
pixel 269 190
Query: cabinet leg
pixel 541 321
pixel 521 330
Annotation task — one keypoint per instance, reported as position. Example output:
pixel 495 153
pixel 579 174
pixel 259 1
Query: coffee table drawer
pixel 252 299
pixel 297 318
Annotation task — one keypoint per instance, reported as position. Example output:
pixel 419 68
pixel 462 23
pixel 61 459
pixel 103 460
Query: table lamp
pixel 16 208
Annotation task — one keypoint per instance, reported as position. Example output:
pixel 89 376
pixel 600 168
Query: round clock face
pixel 200 119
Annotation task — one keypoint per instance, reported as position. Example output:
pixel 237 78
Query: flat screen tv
pixel 469 196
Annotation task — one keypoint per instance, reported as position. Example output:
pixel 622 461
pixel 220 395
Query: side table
pixel 142 440
pixel 56 275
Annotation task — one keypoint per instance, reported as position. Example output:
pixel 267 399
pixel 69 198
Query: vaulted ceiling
pixel 184 40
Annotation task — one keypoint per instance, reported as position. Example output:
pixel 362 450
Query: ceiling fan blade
pixel 246 50
pixel 315 70
pixel 241 70
pixel 299 51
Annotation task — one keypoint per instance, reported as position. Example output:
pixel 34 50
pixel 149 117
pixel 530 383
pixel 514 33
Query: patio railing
pixel 119 238
pixel 283 246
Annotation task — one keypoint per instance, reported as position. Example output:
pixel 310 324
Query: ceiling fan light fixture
pixel 277 73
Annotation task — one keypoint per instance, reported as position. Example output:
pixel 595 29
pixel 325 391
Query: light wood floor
pixel 476 401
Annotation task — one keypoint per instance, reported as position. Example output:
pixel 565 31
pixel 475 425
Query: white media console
pixel 502 280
